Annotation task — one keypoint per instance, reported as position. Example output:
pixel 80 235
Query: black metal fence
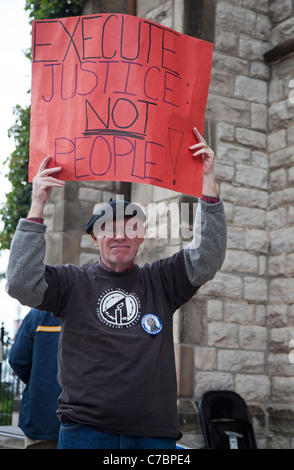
pixel 10 385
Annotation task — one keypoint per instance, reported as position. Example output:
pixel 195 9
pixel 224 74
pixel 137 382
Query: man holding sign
pixel 116 353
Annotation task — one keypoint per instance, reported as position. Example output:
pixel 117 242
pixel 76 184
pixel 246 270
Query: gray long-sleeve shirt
pixel 115 374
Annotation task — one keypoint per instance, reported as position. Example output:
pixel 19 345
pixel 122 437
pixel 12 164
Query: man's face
pixel 119 242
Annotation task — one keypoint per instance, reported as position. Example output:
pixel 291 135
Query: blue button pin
pixel 151 324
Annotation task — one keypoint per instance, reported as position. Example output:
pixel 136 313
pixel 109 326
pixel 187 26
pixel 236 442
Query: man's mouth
pixel 115 247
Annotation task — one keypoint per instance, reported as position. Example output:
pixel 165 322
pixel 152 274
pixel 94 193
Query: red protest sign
pixel 115 97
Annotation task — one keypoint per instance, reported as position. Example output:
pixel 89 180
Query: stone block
pixel 283 31
pixel 276 218
pixel 238 312
pixel 260 313
pixel 259 116
pixel 280 10
pixel 251 138
pixel 277 265
pixel 223 285
pixel 253 198
pixel 260 70
pixel 290 211
pixel 221 83
pixel 282 240
pixel 224 171
pixel 53 248
pixel 260 6
pixel 290 265
pixel 70 247
pixel 280 339
pixel 281 158
pixel 90 195
pixel 280 114
pixel 251 47
pixel 279 365
pixel 253 387
pixel 276 90
pixel 278 179
pixel 223 335
pixel 142 193
pixel 282 390
pixel 193 322
pixel 253 337
pixel 214 309
pixel 277 140
pixel 230 64
pixel 281 420
pixel 290 135
pixel 256 240
pixel 277 315
pixel 249 217
pixel 291 176
pixel 205 358
pixel 240 261
pixel 226 41
pixel 263 27
pixel 225 132
pixel 188 416
pixel 228 109
pixel 234 18
pixel 251 89
pixel 235 238
pixel 240 361
pixel 258 417
pixel 212 381
pixel 257 178
pixel 255 288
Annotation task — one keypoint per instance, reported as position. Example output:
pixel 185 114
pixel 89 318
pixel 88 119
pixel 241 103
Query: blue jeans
pixel 81 436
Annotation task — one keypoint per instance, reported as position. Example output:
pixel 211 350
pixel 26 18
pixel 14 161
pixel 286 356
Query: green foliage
pixel 18 200
pixel 44 9
pixel 6 406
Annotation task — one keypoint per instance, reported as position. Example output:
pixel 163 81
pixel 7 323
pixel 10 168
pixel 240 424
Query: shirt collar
pixel 100 263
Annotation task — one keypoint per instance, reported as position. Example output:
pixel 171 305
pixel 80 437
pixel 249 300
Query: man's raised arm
pixel 25 273
pixel 205 255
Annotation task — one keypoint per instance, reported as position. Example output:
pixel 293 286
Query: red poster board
pixel 115 98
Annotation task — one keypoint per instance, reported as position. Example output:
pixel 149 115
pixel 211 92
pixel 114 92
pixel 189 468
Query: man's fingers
pixel 44 163
pixel 50 181
pixel 200 152
pixel 196 146
pixel 44 171
pixel 49 171
pixel 198 135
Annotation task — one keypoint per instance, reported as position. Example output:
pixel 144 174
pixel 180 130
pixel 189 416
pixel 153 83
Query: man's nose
pixel 119 233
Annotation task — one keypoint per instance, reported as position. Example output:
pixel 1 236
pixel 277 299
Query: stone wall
pixel 235 333
pixel 280 226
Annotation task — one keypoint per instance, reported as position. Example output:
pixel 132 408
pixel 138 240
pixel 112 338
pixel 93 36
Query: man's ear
pixel 95 239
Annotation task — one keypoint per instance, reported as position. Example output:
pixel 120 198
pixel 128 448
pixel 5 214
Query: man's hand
pixel 43 183
pixel 202 149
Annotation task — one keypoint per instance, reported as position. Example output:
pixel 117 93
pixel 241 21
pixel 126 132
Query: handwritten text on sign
pixel 115 97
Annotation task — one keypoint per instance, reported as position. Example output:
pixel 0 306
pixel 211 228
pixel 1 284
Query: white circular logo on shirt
pixel 118 309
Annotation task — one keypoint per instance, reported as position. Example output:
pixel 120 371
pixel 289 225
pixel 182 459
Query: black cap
pixel 115 210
